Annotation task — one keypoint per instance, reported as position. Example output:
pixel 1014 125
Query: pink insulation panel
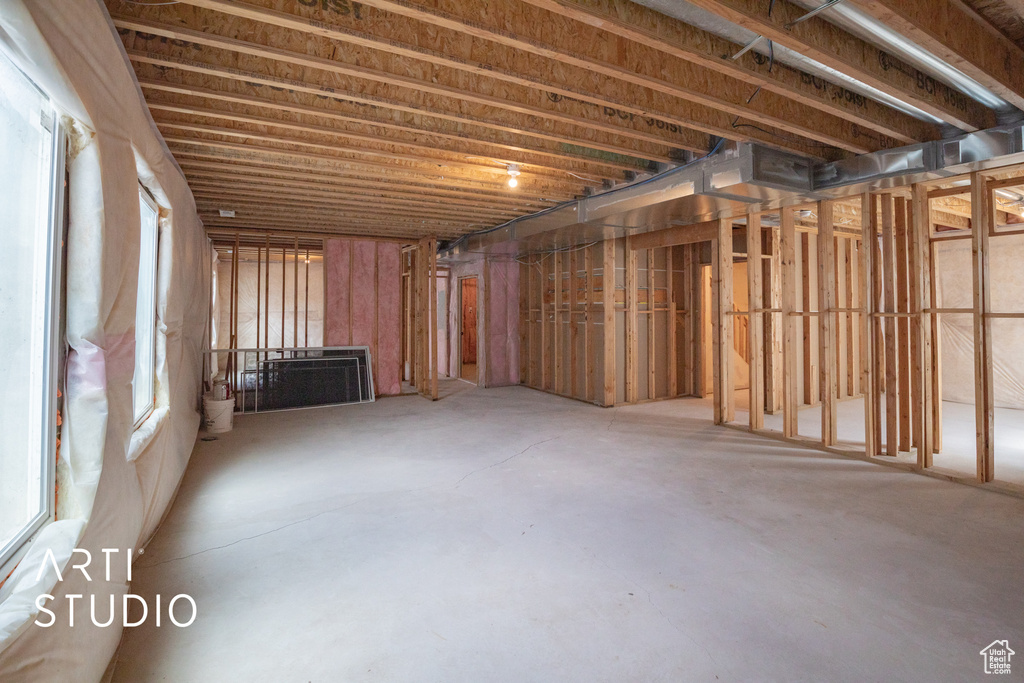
pixel 364 294
pixel 363 279
pixel 337 317
pixel 389 318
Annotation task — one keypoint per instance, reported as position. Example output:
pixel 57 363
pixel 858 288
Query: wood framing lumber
pixel 830 45
pixel 984 402
pixel 722 304
pixel 826 323
pixel 755 327
pixel 677 38
pixel 958 35
pixel 790 335
pixel 608 322
pixel 866 322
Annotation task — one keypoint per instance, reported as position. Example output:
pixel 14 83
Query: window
pixel 145 310
pixel 31 215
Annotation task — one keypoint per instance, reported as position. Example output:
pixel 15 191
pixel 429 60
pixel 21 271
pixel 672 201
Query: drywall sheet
pixel 115 481
pixel 362 280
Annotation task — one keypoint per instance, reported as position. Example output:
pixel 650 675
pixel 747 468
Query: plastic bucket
pixel 219 414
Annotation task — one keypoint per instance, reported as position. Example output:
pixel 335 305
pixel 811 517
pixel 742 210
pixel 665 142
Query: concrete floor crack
pixel 502 462
pixel 249 538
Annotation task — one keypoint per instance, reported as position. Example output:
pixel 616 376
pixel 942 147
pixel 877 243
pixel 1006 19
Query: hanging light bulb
pixel 513 171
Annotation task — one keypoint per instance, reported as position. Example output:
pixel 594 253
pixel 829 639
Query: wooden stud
pixel 670 324
pixel 866 279
pixel 755 327
pixel 923 366
pixel 891 358
pixel 608 321
pixel 791 336
pixel 826 323
pixel 773 326
pixel 810 386
pixel 632 337
pixel 651 360
pixel 982 220
pixel 722 302
pixel 901 236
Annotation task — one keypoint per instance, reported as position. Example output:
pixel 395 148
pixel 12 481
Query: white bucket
pixel 219 414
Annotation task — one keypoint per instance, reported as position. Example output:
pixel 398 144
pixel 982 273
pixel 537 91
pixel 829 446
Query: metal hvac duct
pixel 741 178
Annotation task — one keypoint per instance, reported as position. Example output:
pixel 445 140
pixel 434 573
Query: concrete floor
pixel 511 535
pixel 959 449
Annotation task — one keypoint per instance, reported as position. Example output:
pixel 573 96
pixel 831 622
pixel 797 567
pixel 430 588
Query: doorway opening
pixel 468 307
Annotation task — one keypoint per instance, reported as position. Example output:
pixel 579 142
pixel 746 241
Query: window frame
pixel 53 316
pixel 145 196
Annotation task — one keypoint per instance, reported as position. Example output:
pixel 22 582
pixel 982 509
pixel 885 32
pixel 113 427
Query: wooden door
pixel 469 312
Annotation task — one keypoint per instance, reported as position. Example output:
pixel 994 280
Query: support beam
pixel 958 35
pixel 828 44
pixel 677 38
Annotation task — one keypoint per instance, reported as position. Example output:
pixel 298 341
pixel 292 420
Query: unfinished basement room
pixel 511 340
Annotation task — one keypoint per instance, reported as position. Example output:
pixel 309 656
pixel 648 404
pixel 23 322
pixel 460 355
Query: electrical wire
pixel 151 4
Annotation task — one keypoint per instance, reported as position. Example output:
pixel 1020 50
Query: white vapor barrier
pixel 954 288
pixel 270 326
pixel 114 482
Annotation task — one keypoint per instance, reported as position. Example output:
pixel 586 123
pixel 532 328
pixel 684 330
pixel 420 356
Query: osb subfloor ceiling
pixel 401 118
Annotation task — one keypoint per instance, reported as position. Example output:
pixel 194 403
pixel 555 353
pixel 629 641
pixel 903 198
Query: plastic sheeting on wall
pixel 249 290
pixel 954 288
pixel 115 481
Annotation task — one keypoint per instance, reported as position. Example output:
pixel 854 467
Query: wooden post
pixel 266 317
pixel 295 297
pixel 432 320
pixel 981 221
pixel 755 322
pixel 574 332
pixel 923 367
pixel 891 359
pixel 305 317
pixel 670 323
pixel 651 360
pixel 774 324
pixel 632 337
pixel 557 334
pixel 903 324
pixel 722 338
pixel 589 353
pixel 608 321
pixel 805 306
pixel 790 336
pixel 826 323
pixel 867 321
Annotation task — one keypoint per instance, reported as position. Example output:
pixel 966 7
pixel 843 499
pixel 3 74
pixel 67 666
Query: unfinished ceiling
pixel 401 118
